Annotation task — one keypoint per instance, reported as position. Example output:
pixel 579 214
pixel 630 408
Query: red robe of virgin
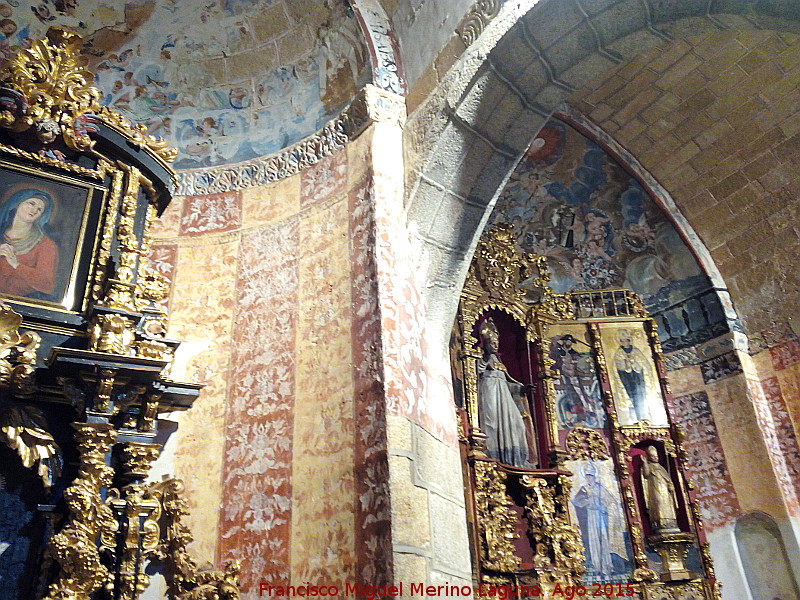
pixel 36 271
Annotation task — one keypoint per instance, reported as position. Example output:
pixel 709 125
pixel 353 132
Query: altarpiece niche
pixel 575 474
pixel 84 359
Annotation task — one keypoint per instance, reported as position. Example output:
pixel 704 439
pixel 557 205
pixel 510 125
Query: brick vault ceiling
pixel 715 119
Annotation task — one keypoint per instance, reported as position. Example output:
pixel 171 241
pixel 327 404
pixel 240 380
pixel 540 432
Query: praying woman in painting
pixel 499 414
pixel 28 257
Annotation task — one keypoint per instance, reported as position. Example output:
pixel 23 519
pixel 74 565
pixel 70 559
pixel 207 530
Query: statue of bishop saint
pixel 659 494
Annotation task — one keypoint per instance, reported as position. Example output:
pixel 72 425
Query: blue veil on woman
pixel 9 208
pixel 43 283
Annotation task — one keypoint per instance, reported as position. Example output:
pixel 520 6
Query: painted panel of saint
pixel 578 396
pixel 632 373
pixel 42 222
pixel 596 507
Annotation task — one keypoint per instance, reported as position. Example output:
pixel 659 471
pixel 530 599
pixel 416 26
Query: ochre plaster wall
pixel 267 293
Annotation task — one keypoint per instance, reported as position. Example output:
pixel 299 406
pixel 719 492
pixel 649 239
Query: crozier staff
pixel 28 257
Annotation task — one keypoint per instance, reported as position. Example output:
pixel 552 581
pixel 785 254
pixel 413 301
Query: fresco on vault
pixel 571 202
pixel 222 80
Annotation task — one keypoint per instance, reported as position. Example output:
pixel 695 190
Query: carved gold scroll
pixel 97 351
pixel 591 425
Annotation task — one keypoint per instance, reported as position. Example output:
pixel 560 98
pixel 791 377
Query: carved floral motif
pixel 496 518
pixel 586 443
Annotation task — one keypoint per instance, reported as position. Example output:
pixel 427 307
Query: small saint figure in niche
pixel 659 493
pixel 631 365
pixel 500 415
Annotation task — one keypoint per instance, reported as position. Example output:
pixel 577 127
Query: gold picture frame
pixel 48 236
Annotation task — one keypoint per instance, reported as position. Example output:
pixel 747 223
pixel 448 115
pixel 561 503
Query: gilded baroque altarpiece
pixel 84 359
pixel 575 474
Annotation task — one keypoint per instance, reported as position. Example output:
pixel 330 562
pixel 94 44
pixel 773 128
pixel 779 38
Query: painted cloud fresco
pixel 223 80
pixel 570 201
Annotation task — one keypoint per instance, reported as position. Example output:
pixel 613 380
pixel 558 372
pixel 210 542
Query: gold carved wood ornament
pixel 113 374
pixel 586 443
pixel 56 93
pixel 496 517
pixel 504 279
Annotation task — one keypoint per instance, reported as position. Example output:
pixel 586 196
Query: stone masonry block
pixel 550 97
pixel 410 512
pixel 637 42
pixel 449 533
pixel 571 48
pixel 497 170
pixel 550 23
pixel 688 27
pixel 457 159
pixel 586 70
pixel 604 91
pixel 672 10
pixel 407 568
pixel 424 205
pixel 530 80
pixel 438 578
pixel 670 54
pixel 728 186
pixel 438 466
pixel 641 81
pixel 456 223
pixel 678 71
pixel 599 6
pixel 513 51
pixel 520 134
pixel 398 434
pixel 496 120
pixel 485 87
pixel 619 21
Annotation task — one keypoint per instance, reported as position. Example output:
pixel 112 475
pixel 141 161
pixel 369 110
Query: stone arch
pixel 503 90
pixel 763 555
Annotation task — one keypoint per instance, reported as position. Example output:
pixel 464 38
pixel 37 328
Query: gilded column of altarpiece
pixel 84 360
pixel 575 475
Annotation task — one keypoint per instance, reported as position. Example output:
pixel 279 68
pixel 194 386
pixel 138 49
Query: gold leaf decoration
pixel 53 92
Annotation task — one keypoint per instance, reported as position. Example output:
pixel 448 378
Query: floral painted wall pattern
pixel 255 522
pixel 373 513
pixel 707 465
pixel 780 438
pixel 323 482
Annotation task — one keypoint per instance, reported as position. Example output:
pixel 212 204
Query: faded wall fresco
pixel 569 200
pixel 274 291
pixel 223 81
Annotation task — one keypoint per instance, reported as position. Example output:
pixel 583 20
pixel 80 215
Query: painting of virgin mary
pixel 28 255
pixel 42 229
